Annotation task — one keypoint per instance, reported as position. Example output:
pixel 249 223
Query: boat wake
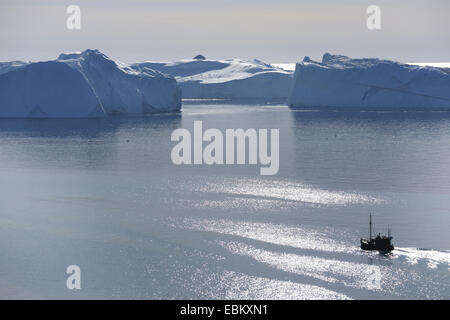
pixel 311 258
pixel 433 258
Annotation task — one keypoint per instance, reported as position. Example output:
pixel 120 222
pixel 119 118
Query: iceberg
pixel 48 90
pixel 122 89
pixel 86 84
pixel 340 81
pixel 225 79
pixel 12 65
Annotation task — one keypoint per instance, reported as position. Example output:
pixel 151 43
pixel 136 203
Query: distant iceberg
pixel 86 84
pixel 339 81
pixel 225 79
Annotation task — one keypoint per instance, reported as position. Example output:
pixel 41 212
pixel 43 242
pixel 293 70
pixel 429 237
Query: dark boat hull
pixel 382 245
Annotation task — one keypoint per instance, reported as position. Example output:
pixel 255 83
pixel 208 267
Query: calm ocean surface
pixel 104 195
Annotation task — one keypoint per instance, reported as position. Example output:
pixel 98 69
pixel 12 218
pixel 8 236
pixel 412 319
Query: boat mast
pixel 370 227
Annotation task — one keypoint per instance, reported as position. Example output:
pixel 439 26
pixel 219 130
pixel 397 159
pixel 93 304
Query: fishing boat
pixel 381 243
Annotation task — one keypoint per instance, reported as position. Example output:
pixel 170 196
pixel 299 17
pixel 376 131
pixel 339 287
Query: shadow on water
pixel 236 101
pixel 87 127
pixel 114 143
pixel 352 114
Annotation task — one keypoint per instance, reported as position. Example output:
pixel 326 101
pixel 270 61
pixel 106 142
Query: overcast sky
pixel 270 30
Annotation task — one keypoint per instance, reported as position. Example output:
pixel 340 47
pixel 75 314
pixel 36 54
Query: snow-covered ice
pixel 11 65
pixel 89 84
pixel 86 84
pixel 225 79
pixel 339 81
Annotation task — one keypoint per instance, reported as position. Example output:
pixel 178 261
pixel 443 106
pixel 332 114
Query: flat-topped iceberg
pixel 225 79
pixel 339 81
pixel 86 84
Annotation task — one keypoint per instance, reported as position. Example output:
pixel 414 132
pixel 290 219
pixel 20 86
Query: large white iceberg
pixel 225 79
pixel 47 89
pixel 339 81
pixel 86 84
pixel 122 89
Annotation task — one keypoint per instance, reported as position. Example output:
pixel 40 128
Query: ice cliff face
pixel 339 81
pixel 121 89
pixel 203 78
pixel 86 84
pixel 47 89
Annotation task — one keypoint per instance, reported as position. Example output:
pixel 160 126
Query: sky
pixel 275 31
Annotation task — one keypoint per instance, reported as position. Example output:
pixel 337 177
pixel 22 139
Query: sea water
pixel 103 194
